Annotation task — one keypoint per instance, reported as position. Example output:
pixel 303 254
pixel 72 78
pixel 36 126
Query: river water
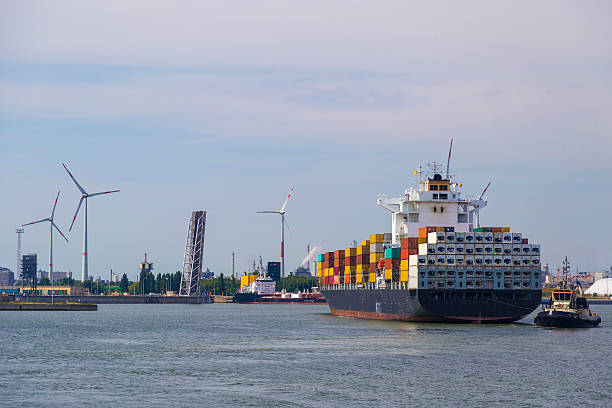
pixel 293 355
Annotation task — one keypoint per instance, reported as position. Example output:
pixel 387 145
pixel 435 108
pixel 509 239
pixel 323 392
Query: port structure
pixel 194 251
pixel 19 232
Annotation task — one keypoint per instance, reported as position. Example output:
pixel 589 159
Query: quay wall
pixel 117 299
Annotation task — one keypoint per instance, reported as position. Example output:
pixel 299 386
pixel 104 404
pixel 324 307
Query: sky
pixel 224 106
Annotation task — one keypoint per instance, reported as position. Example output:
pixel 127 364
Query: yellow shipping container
pixel 365 243
pixel 505 229
pixel 362 268
pixel 376 256
pixel 422 240
pixel 372 277
pixel 403 276
pixel 363 249
pixel 377 238
pixel 440 229
pixel 359 278
pixel 388 274
pixel 404 265
pixel 348 252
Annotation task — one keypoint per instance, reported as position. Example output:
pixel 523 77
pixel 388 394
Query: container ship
pixel 437 264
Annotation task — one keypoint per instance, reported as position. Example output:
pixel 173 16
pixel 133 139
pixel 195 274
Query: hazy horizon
pixel 224 107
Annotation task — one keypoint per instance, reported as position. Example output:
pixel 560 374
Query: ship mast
pixel 566 267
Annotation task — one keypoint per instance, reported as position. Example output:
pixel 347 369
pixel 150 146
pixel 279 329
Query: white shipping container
pixel 432 238
pixel 450 259
pixel 517 249
pixel 526 260
pixel 479 237
pixel 479 249
pixel 450 248
pixel 507 260
pixel 498 237
pixel 469 260
pixel 459 249
pixel 507 237
pixel 413 272
pixel 431 259
pixel 526 249
pixel 377 247
pixel 414 259
pixel 387 238
pixel 450 237
pixel 478 260
pixel 488 237
pixel 498 260
pixel 508 249
pixel 460 237
pixel 488 249
pixel 498 249
pixel 469 237
pixel 469 249
pixel 488 259
pixel 459 260
pixel 535 248
pixel 516 237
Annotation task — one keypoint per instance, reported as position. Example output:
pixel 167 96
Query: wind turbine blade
pixel 54 205
pixel 76 213
pixel 35 222
pixel 104 192
pixel 287 199
pixel 81 189
pixel 58 230
pixel 267 212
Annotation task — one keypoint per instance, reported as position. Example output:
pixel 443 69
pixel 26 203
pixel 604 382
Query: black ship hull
pixel 556 318
pixel 254 298
pixel 426 305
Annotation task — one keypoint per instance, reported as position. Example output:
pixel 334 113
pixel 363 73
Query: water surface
pixel 293 355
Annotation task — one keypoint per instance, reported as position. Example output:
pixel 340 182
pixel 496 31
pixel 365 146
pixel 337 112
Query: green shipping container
pixel 393 253
pixel 486 229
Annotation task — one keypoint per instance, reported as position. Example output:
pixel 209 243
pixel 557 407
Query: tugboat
pixel 568 307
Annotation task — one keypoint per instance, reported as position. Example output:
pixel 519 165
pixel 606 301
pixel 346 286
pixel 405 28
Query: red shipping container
pixel 524 241
pixel 352 260
pixel 496 229
pixel 411 242
pixel 339 253
pixel 372 268
pixel 405 254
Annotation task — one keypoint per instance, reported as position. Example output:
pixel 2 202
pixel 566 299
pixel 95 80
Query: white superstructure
pixel 433 201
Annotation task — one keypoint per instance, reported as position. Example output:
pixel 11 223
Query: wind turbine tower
pixel 84 196
pixel 282 246
pixel 51 226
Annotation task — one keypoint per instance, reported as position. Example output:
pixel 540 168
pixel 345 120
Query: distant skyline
pixel 224 107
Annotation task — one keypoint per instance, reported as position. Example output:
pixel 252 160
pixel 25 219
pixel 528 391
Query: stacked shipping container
pixel 488 257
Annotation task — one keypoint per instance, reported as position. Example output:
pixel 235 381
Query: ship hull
pixel 452 306
pixel 253 298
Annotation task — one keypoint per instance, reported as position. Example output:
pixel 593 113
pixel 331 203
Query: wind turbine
pixel 84 196
pixel 50 219
pixel 282 214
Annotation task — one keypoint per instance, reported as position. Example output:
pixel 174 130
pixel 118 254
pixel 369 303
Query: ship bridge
pixel 435 200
